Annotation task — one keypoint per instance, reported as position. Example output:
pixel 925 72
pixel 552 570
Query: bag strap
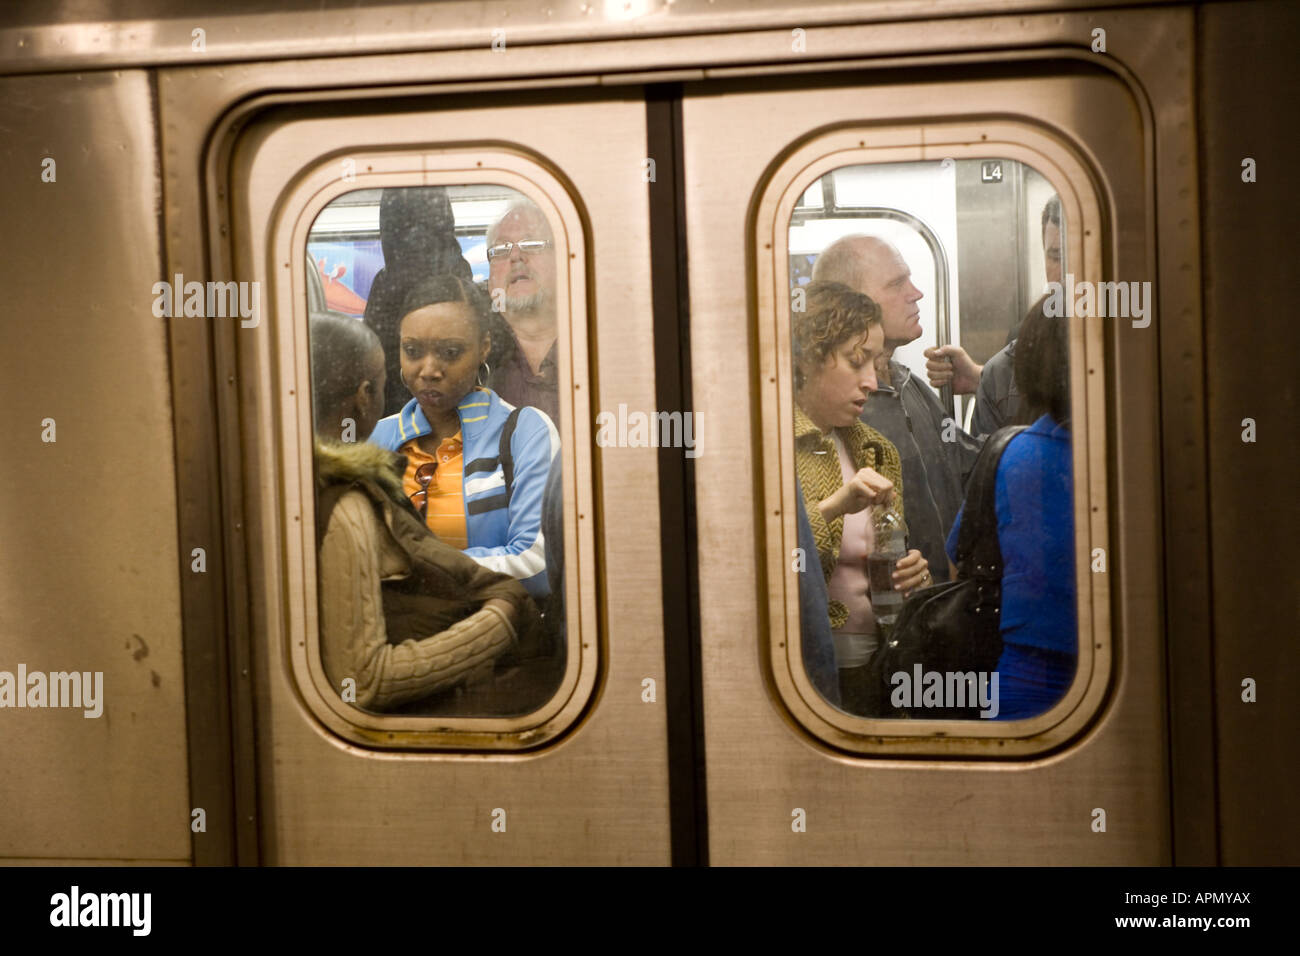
pixel 505 455
pixel 978 553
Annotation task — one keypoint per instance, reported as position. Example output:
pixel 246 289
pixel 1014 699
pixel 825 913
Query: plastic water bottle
pixel 890 547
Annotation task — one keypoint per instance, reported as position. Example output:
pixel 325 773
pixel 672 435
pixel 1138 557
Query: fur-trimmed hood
pixel 346 462
pixel 443 584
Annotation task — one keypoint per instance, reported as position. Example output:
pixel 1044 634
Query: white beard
pixel 525 303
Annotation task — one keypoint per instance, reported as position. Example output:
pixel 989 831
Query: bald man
pixel 905 409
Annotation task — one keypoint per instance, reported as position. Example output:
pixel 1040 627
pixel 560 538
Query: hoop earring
pixel 482 375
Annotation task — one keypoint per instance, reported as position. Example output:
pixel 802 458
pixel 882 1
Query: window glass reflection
pixel 439 493
pixel 916 308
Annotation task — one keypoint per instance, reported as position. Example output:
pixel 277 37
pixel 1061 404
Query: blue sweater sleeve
pixel 523 556
pixel 814 617
pixel 955 535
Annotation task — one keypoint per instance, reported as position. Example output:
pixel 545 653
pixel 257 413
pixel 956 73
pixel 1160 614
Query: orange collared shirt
pixel 445 515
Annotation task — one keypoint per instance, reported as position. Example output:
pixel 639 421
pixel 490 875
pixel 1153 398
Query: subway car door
pixel 581 776
pixel 792 778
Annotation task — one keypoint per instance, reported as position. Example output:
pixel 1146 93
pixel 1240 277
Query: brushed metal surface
pixel 43 36
pixel 1249 350
pixel 761 766
pixel 84 791
pixel 600 794
pixel 192 98
pixel 91 568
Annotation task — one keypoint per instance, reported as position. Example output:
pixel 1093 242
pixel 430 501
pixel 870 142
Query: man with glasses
pixel 521 283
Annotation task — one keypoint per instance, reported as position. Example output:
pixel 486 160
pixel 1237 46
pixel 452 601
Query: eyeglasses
pixel 529 247
pixel 423 476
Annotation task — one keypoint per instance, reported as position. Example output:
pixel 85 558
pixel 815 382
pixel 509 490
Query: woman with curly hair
pixel 844 466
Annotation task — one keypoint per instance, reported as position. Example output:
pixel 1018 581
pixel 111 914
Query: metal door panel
pixel 599 795
pixel 91 569
pixel 761 764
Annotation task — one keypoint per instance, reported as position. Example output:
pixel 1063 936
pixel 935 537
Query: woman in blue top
pixel 476 468
pixel 1035 512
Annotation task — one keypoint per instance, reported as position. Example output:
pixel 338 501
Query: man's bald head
pixel 846 260
pixel 870 265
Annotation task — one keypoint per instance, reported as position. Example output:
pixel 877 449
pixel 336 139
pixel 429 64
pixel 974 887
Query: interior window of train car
pixel 435 399
pixel 917 307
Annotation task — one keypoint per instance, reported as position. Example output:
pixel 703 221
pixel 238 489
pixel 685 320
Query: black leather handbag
pixel 955 627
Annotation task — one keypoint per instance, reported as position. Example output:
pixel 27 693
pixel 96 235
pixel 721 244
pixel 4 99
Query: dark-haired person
pixel 845 466
pixel 1051 223
pixel 402 615
pixel 417 232
pixel 937 455
pixel 347 377
pixel 476 466
pixel 1035 520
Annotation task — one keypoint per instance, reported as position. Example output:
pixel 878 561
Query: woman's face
pixel 441 351
pixel 834 394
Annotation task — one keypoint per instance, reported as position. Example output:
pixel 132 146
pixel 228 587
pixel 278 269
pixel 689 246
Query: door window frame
pixel 304 196
pixel 776 198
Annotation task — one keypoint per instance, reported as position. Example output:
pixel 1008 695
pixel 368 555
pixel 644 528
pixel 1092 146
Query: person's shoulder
pixel 346 462
pixel 533 421
pixel 1036 454
pixel 534 415
pixel 1003 357
pixel 530 422
pixel 915 387
pixel 385 434
pixel 1045 427
pixel 353 519
pixel 483 413
pixel 1052 438
pixel 354 503
pixel 1030 442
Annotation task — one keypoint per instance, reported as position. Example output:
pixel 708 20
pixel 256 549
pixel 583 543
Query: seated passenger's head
pixel 443 340
pixel 347 376
pixel 872 266
pixel 526 274
pixel 836 341
pixel 1042 364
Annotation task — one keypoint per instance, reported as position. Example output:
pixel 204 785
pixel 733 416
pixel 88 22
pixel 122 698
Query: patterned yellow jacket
pixel 818 468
